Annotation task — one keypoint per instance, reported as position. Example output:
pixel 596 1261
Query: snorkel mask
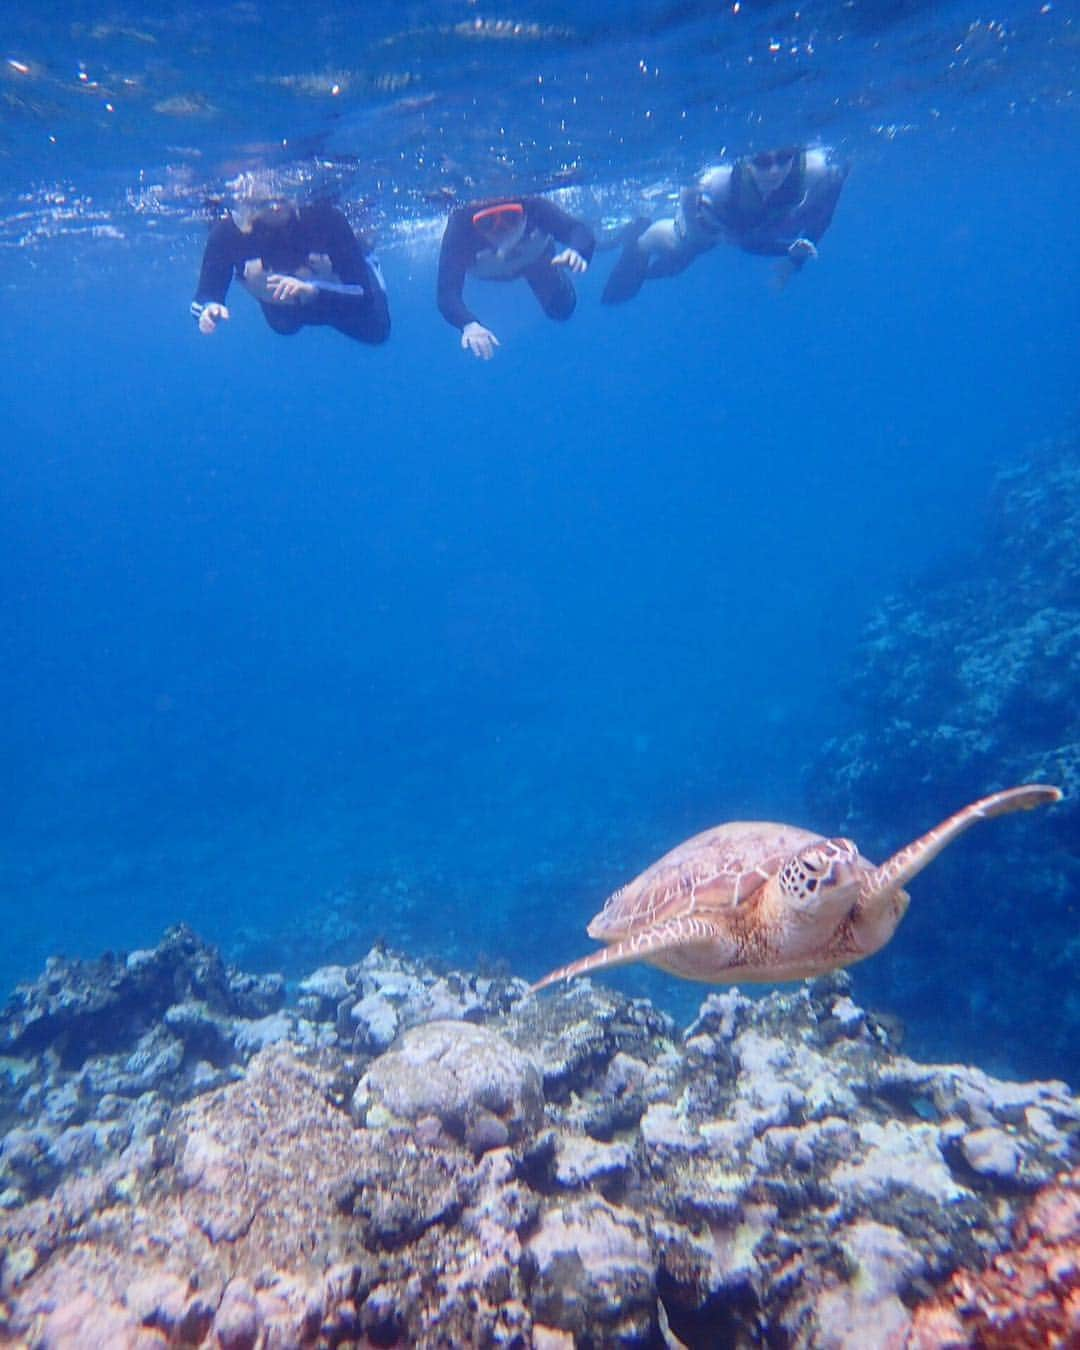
pixel 759 178
pixel 501 225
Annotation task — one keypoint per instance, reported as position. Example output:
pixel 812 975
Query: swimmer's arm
pixel 454 258
pixel 219 259
pixel 553 220
pixel 824 182
pixel 349 288
pixel 346 255
pixel 282 289
pixel 285 290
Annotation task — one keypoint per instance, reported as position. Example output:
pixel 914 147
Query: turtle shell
pixel 715 871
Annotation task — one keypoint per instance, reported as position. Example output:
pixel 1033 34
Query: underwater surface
pixel 306 644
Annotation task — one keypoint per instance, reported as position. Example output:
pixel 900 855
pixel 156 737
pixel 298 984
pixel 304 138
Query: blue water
pixel 308 644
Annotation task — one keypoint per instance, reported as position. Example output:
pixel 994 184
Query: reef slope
pixel 406 1157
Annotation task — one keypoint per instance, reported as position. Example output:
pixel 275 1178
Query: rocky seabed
pixel 398 1156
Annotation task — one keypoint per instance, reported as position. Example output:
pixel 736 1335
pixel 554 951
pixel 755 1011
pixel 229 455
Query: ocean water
pixel 309 644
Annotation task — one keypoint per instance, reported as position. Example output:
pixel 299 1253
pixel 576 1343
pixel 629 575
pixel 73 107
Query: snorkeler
pixel 303 264
pixel 778 203
pixel 501 241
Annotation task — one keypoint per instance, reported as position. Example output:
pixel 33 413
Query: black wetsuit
pixel 285 248
pixel 463 245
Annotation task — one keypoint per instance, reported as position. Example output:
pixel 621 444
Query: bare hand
pixel 570 258
pixel 479 340
pixel 211 315
pixel 283 290
pixel 255 280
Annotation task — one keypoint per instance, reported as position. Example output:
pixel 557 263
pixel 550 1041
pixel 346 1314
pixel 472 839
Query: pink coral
pixel 1028 1298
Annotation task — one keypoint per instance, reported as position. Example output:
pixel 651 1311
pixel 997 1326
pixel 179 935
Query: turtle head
pixel 819 885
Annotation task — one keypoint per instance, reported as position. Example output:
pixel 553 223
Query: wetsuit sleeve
pixel 363 314
pixel 345 250
pixel 219 259
pixel 545 215
pixel 817 210
pixel 455 255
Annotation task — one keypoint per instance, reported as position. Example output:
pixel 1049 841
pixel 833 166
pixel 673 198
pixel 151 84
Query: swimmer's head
pixel 501 225
pixel 768 171
pixel 268 212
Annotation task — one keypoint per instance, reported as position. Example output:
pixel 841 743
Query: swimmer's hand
pixel 571 259
pixel 801 251
pixel 211 315
pixel 479 340
pixel 282 290
pixel 275 288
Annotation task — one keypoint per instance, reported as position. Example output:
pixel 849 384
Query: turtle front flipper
pixel 902 866
pixel 883 901
pixel 699 943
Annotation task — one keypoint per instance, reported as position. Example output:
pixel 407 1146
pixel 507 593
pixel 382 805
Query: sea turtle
pixel 758 902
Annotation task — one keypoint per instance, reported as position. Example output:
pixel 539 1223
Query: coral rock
pixel 1027 1298
pixel 461 1073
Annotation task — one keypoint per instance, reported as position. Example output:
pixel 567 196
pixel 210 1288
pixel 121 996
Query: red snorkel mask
pixel 497 222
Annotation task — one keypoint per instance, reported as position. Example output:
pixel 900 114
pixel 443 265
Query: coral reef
pixel 964 683
pixel 1028 1297
pixel 402 1157
pixel 93 1054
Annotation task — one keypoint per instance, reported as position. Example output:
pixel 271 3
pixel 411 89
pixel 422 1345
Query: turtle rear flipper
pixel 682 934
